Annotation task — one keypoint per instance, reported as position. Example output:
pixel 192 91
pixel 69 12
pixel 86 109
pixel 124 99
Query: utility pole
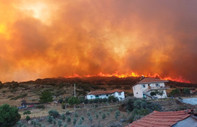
pixel 74 90
pixel 74 95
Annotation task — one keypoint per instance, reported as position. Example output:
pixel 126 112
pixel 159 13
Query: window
pixel 143 85
pixel 157 85
pixel 97 95
pixel 119 94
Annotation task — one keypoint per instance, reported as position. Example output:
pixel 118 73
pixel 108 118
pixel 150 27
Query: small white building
pixel 150 88
pixel 105 94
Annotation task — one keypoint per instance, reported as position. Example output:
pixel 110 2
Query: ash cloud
pixel 88 37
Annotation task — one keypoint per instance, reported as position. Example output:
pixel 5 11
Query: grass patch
pixel 20 96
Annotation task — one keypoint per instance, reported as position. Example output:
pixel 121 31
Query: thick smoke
pixel 50 38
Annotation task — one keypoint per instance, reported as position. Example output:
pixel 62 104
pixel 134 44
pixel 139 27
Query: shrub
pixel 175 92
pixel 88 114
pixel 26 112
pixel 54 122
pixel 76 115
pixel 186 91
pixel 20 96
pixel 80 121
pixel 73 100
pixel 97 116
pixel 27 118
pixel 54 113
pixel 60 100
pixel 9 115
pixel 74 121
pixel 117 114
pixel 112 99
pixel 142 108
pixel 68 113
pixel 68 119
pixel 103 116
pixel 40 106
pixel 90 118
pixel 63 117
pixel 82 118
pixel 46 97
pixel 50 119
pixel 63 106
pixel 59 123
pixel 19 124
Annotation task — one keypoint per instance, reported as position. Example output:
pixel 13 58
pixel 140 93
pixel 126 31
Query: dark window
pixel 157 85
pixel 97 95
pixel 143 85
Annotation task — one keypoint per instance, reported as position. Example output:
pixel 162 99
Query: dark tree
pixel 9 116
pixel 46 97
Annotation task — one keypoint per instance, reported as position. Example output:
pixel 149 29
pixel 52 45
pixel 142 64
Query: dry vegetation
pixel 13 93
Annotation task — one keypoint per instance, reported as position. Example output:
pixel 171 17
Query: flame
pixel 132 74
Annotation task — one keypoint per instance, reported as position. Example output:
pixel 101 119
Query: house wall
pixel 139 89
pixel 120 96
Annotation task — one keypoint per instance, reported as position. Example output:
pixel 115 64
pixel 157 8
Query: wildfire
pixel 132 74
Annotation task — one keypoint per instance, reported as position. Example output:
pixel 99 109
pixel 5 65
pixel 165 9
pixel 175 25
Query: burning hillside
pixel 85 38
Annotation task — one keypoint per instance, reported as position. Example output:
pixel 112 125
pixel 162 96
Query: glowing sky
pixel 51 38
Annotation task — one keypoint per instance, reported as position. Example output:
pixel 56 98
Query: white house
pixel 150 88
pixel 105 94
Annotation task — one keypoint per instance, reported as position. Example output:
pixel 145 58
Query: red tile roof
pixel 160 119
pixel 151 80
pixel 104 92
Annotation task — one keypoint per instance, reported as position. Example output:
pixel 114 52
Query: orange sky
pixel 50 38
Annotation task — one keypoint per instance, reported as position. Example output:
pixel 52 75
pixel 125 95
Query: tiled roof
pixel 151 80
pixel 104 92
pixel 160 119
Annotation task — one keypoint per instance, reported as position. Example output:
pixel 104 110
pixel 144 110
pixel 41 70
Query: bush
pixel 9 116
pixel 50 119
pixel 54 113
pixel 73 100
pixel 186 91
pixel 80 121
pixel 26 112
pixel 175 92
pixel 97 116
pixel 142 108
pixel 112 99
pixel 46 97
pixel 74 121
pixel 90 118
pixel 76 115
pixel 20 96
pixel 27 118
pixel 40 106
pixel 68 119
pixel 103 116
pixel 59 123
pixel 63 106
pixel 63 117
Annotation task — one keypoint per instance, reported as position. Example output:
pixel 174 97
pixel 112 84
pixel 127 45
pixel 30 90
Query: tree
pixel 9 116
pixel 46 97
pixel 175 92
pixel 27 118
pixel 54 113
pixel 186 91
pixel 73 100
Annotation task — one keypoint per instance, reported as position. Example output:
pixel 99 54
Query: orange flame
pixel 132 74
